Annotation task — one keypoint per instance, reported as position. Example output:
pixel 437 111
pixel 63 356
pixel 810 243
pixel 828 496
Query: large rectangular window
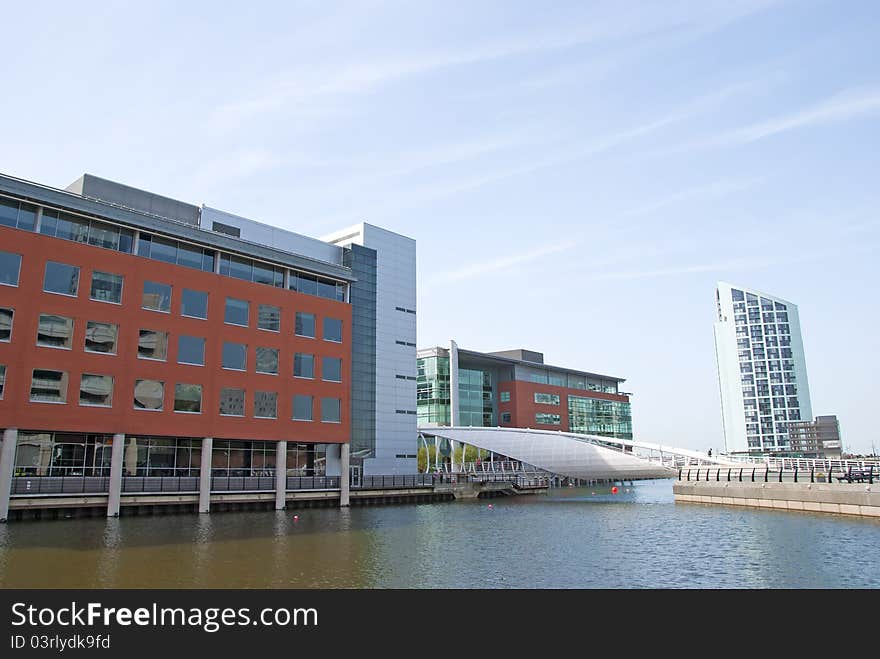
pixel 157 297
pixel 331 410
pixel 96 390
pixel 267 361
pixel 333 330
pixel 10 268
pixel 249 270
pixel 547 399
pixel 188 398
pixel 106 287
pixel 265 405
pixel 302 408
pixel 191 350
pixel 101 337
pixel 194 304
pixel 149 395
pixel 55 331
pixel 153 344
pixel 305 324
pixel 269 318
pixel 548 419
pixel 234 356
pixel 505 396
pixel 172 251
pixel 17 214
pixel 232 402
pixel 303 365
pixel 48 386
pixel 61 279
pixel 6 318
pixel 237 312
pixel 83 230
pixel 331 369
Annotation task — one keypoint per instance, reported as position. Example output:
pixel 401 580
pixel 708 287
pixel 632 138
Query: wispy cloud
pixel 502 264
pixel 710 191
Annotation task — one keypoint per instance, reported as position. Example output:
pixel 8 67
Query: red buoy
pixel 614 490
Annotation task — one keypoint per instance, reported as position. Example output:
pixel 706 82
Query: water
pixel 569 538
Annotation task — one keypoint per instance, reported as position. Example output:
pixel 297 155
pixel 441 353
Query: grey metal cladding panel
pixel 134 198
pixel 67 200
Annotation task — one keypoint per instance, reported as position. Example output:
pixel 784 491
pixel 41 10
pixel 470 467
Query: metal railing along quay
pixel 42 485
pixel 766 473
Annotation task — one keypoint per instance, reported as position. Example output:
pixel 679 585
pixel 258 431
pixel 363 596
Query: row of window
pixel 66 226
pixel 63 279
pixel 96 390
pixel 56 331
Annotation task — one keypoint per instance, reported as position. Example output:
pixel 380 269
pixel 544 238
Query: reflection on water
pixel 568 538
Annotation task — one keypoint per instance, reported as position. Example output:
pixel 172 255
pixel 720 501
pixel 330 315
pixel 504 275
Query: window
pixel 505 417
pixel 237 312
pixel 61 278
pixel 10 266
pixel 171 251
pixel 269 318
pixel 55 331
pixel 157 297
pixel 152 344
pixel 547 399
pixel 232 402
pixel 265 405
pixel 194 304
pixel 267 361
pixel 303 365
pixel 191 350
pixel 235 356
pixel 505 396
pixel 101 337
pixel 548 419
pixel 305 324
pixel 330 410
pixel 106 287
pixel 248 270
pixel 96 390
pixel 331 369
pixel 149 395
pixel 302 408
pixel 83 230
pixel 6 317
pixel 188 398
pixel 312 285
pixel 2 379
pixel 17 214
pixel 333 330
pixel 48 386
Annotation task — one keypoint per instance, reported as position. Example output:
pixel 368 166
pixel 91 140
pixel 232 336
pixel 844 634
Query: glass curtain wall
pixel 432 391
pixel 607 418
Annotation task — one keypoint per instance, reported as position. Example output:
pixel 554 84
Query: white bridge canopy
pixel 565 454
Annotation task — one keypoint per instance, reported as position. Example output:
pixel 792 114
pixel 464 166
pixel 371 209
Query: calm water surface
pixel 569 538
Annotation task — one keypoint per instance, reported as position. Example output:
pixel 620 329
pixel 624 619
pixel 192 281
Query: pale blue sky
pixel 578 175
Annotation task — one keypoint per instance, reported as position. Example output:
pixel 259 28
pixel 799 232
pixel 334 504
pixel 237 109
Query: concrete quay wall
pixel 843 499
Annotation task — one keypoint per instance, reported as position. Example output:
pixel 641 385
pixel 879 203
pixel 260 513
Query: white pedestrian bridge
pixel 575 455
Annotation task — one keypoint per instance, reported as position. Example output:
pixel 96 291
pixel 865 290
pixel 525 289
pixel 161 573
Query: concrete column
pixel 455 414
pixel 281 475
pixel 116 455
pixel 7 465
pixel 217 262
pixel 205 475
pixel 38 222
pixel 344 475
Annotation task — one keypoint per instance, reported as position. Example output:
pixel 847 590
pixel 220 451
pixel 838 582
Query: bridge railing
pixel 766 473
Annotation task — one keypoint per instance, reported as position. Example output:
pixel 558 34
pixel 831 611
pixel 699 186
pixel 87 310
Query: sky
pixel 577 175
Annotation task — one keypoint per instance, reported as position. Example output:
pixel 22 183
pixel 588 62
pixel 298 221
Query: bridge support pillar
pixel 114 498
pixel 205 475
pixel 7 468
pixel 281 475
pixel 344 475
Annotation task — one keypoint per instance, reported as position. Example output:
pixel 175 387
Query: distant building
pixel 761 369
pixel 516 389
pixel 815 439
